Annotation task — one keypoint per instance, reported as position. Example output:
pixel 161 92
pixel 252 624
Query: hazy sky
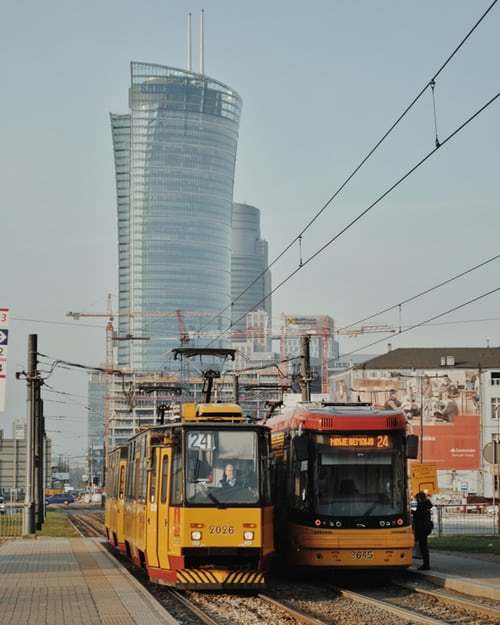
pixel 320 81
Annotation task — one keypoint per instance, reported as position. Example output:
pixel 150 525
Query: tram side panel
pixel 110 503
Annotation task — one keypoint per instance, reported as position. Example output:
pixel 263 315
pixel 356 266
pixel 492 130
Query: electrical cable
pixel 59 323
pixel 364 212
pixel 421 293
pixel 298 237
pixel 420 323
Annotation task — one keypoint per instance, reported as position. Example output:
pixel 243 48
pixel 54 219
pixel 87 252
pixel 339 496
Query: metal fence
pixel 11 519
pixel 470 519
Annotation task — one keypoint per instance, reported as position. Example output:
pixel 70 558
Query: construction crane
pixel 109 329
pixel 184 337
pixel 373 328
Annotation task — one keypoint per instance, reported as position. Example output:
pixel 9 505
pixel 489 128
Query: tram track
pixel 87 524
pixel 226 609
pixel 285 603
pixel 429 607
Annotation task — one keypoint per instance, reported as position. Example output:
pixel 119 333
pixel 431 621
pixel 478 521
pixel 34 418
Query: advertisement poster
pixel 446 403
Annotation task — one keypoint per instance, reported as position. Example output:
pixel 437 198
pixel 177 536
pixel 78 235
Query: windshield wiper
pixel 216 501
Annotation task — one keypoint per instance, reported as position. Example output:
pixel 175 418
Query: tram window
pixel 152 479
pixel 164 479
pixel 176 495
pixel 143 474
pixel 300 479
pixel 354 483
pixel 122 482
pixel 265 472
pixel 130 471
pixel 222 467
pixel 137 478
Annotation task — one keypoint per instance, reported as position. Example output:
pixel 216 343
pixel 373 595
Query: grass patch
pixel 57 525
pixel 471 544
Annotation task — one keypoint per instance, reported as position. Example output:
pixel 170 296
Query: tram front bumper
pixel 219 579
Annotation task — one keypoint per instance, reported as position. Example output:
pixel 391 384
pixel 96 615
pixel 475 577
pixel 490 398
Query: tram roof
pixel 316 416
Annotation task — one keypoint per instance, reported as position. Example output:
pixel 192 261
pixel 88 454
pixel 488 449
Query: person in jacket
pixel 422 526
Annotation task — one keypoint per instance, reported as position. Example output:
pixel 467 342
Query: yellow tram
pixel 115 498
pixel 341 487
pixel 190 500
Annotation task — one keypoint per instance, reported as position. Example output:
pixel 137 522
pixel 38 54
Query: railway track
pixel 410 603
pixel 87 524
pixel 393 603
pixel 285 603
pixel 225 609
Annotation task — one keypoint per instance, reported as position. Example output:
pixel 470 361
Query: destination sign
pixel 378 441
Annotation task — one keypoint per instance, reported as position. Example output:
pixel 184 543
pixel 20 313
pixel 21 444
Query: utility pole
pixel 236 388
pixel 29 496
pixel 305 366
pixel 39 453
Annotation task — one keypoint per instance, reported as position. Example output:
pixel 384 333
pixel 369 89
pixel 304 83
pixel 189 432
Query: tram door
pixel 152 509
pixel 163 501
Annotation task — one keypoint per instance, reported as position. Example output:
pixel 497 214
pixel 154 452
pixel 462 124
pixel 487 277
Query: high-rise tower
pixel 250 281
pixel 175 154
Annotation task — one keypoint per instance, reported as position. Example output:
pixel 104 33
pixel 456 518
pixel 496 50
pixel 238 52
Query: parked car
pixel 65 498
pixel 2 505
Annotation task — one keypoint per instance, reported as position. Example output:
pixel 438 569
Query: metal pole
pixel 40 429
pixel 29 507
pixel 236 388
pixel 189 65
pixel 306 369
pixel 421 421
pixel 202 42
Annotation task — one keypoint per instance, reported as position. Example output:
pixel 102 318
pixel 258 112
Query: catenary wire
pixel 421 323
pixel 312 220
pixel 59 323
pixel 421 293
pixel 364 212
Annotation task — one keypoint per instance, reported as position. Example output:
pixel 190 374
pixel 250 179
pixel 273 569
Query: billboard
pixel 446 403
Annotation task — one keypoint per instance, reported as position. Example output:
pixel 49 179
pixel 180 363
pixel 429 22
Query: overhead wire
pixel 389 190
pixel 421 293
pixel 430 83
pixel 421 323
pixel 59 323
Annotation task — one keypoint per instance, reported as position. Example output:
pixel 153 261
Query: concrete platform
pixel 470 574
pixel 71 581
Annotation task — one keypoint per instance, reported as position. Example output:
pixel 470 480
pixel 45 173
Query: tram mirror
pixel 301 447
pixel 412 446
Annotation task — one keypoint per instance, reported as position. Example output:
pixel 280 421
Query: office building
pixel 250 279
pixel 175 153
pixel 95 425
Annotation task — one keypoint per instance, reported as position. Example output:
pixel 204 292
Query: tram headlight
pixel 248 535
pixel 196 535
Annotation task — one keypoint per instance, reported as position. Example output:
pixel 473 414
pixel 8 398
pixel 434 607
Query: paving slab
pixel 465 573
pixel 71 581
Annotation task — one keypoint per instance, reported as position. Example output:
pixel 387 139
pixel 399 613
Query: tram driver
pixel 229 479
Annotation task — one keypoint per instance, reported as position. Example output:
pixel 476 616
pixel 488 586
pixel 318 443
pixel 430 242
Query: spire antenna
pixel 202 42
pixel 189 66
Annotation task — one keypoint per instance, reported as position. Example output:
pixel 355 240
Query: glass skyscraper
pixel 250 278
pixel 175 155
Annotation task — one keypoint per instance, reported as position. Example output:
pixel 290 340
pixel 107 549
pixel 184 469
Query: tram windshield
pixel 359 483
pixel 222 468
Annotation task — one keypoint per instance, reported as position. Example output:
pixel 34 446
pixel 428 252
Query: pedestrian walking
pixel 423 526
